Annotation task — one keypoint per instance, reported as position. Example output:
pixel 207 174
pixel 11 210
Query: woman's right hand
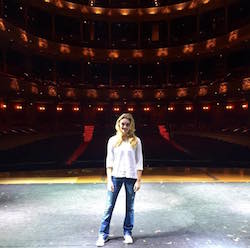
pixel 110 186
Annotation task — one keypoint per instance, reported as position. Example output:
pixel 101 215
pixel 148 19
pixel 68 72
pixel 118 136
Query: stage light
pixel 24 36
pixel 42 43
pixel 211 43
pixel 246 84
pixel 116 109
pixel 71 6
pixel 137 54
pixel 2 26
pixel 98 11
pixel 100 109
pixel 233 36
pixel 76 109
pixel 162 52
pixel 180 6
pixel 188 48
pixel 124 12
pixel 18 107
pixel 41 108
pixel 244 106
pixel 131 109
pixel 223 88
pixel 65 49
pixel 114 54
pixel 146 109
pixel 114 94
pixel 192 5
pixel 203 90
pixel 189 108
pixel 166 10
pixel 59 109
pixel 59 4
pixel 206 108
pixel 229 107
pixel 3 106
pixel 171 108
pixel 152 11
pixel 88 52
pixel 182 92
pixel 159 94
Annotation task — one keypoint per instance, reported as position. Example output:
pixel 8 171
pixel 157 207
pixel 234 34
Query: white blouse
pixel 124 160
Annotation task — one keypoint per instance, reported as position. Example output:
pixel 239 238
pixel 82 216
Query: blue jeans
pixel 111 199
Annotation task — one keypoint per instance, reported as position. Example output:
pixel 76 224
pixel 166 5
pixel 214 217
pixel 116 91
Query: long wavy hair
pixel 131 133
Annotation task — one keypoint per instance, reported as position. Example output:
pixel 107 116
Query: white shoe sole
pixel 128 242
pixel 102 244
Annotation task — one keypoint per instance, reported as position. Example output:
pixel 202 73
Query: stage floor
pixel 175 209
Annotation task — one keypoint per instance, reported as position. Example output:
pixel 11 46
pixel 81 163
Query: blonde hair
pixel 131 133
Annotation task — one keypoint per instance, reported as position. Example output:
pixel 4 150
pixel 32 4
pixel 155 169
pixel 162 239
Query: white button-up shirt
pixel 124 160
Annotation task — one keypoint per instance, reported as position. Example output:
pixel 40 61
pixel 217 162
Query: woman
pixel 124 165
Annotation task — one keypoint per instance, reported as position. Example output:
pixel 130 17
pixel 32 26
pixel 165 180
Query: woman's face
pixel 124 125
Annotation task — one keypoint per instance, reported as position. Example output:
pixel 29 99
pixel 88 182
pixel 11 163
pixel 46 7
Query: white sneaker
pixel 101 241
pixel 128 239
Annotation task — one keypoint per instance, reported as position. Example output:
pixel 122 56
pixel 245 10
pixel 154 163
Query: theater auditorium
pixel 70 68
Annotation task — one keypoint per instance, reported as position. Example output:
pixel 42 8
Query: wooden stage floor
pixel 150 175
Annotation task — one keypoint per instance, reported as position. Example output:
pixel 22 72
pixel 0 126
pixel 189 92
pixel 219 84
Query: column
pixel 139 74
pixel 109 35
pixel 169 32
pixel 226 20
pixel 198 27
pixel 26 17
pixel 82 71
pixel 168 74
pixel 139 36
pixel 53 35
pixel 225 63
pixel 110 74
pixel 1 8
pixel 5 66
pixel 81 30
pixel 196 71
pixel 28 64
pixel 155 32
pixel 92 31
pixel 54 71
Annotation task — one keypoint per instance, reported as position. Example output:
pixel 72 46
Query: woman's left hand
pixel 137 186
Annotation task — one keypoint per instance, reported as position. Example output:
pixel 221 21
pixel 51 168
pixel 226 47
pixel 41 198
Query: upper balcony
pixel 54 24
pixel 156 13
pixel 128 3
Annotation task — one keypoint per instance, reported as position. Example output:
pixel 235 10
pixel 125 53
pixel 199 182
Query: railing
pixel 21 40
pixel 129 14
